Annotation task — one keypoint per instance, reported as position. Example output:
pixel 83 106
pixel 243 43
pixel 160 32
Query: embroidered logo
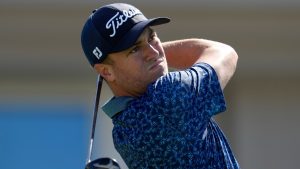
pixel 97 52
pixel 119 19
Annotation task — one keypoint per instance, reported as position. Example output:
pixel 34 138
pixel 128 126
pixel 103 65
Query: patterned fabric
pixel 171 125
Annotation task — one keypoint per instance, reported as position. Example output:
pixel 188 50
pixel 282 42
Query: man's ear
pixel 106 71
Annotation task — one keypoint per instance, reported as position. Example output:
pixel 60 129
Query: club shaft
pixel 97 100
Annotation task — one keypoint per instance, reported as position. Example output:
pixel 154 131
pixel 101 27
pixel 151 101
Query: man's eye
pixel 134 49
pixel 152 37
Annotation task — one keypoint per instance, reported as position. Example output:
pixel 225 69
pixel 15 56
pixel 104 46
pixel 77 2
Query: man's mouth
pixel 155 64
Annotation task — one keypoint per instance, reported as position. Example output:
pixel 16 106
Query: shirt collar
pixel 116 105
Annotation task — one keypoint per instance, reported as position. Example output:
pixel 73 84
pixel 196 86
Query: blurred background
pixel 47 87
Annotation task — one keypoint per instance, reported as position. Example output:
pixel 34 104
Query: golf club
pixel 100 163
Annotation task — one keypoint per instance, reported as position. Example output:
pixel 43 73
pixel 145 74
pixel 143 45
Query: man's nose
pixel 150 52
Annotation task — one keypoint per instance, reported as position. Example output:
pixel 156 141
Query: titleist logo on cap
pixel 117 20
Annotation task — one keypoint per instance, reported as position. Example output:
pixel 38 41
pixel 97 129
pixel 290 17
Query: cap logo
pixel 116 21
pixel 97 52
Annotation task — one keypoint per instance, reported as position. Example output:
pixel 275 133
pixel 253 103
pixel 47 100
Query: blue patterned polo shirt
pixel 171 125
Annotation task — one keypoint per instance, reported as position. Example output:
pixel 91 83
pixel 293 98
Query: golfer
pixel 162 119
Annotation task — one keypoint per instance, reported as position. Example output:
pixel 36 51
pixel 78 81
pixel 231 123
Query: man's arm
pixel 182 54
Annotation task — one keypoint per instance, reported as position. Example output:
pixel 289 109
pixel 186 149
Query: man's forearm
pixel 182 54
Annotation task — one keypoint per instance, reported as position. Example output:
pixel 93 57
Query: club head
pixel 103 163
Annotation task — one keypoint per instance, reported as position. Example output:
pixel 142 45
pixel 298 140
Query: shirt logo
pixel 116 21
pixel 97 52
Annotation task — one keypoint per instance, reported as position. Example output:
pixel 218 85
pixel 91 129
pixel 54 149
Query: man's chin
pixel 160 74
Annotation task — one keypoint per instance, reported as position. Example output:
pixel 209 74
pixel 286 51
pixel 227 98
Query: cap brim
pixel 131 37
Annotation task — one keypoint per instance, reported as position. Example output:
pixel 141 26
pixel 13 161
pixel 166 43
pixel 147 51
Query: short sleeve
pixel 195 90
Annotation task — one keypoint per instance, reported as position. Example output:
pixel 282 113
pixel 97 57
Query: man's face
pixel 135 68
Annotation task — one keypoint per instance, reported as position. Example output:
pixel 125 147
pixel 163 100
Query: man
pixel 161 119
